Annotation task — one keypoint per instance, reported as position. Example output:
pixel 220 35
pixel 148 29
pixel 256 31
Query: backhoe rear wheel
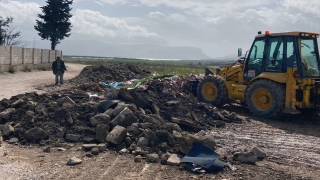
pixel 266 98
pixel 213 90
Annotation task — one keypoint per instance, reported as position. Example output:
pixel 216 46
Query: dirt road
pixel 22 82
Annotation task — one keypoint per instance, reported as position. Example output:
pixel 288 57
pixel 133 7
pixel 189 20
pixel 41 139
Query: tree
pixel 55 24
pixel 9 35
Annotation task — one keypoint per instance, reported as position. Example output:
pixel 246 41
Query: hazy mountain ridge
pixel 150 51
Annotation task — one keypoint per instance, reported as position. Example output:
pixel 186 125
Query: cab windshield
pixel 309 57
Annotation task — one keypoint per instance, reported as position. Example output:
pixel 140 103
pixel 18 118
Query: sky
pixel 218 27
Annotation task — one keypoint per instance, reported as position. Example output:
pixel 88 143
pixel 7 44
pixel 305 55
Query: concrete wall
pixel 20 59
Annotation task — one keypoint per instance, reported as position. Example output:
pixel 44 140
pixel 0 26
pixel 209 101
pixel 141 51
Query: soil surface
pixel 292 144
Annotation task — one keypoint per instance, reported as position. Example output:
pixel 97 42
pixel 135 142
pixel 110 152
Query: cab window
pixel 254 63
pixel 274 60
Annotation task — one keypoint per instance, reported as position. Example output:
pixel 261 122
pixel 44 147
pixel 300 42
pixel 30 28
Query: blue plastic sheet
pixel 204 157
pixel 114 85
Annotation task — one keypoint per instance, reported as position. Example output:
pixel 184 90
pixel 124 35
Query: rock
pixel 173 127
pixel 74 161
pixel 127 141
pixel 17 103
pixel 123 151
pixel 143 141
pixel 61 149
pixel 88 139
pixel 145 125
pixel 73 137
pixel 35 134
pixel 13 140
pixel 102 147
pixel 153 157
pixel 107 104
pixel 155 109
pixel 202 133
pixel 6 130
pixel 172 103
pixel 183 122
pixel 119 108
pixel 138 158
pixel 66 105
pixel 111 93
pixel 63 100
pixel 30 113
pixel 95 151
pixel 108 112
pixel 245 157
pixel 134 129
pixel 7 114
pixel 186 142
pixel 133 108
pixel 117 135
pixel 125 118
pixel 89 155
pixel 40 107
pixel 260 154
pixel 87 147
pixel 100 119
pixel 102 131
pixel 174 159
pixel 47 150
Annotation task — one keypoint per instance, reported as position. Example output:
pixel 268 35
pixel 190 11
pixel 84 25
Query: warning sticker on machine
pixel 251 73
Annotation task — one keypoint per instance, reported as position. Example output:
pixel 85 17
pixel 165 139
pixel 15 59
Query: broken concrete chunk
pixel 138 158
pixel 7 114
pixel 174 159
pixel 35 134
pixel 63 100
pixel 87 147
pixel 143 141
pixel 260 154
pixel 6 130
pixel 133 108
pixel 102 131
pixel 111 93
pixel 119 108
pixel 13 140
pixel 73 137
pixel 100 119
pixel 125 118
pixel 107 104
pixel 153 157
pixel 74 161
pixel 102 147
pixel 134 129
pixel 94 151
pixel 186 142
pixel 245 157
pixel 117 135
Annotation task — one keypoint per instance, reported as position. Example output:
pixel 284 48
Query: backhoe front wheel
pixel 266 98
pixel 213 90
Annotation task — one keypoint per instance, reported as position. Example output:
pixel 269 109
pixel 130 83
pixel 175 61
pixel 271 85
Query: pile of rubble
pixel 150 121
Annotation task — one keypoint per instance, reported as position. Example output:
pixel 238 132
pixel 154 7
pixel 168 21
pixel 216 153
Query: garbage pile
pixel 158 117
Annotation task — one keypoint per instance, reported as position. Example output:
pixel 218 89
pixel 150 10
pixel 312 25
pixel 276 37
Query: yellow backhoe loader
pixel 279 74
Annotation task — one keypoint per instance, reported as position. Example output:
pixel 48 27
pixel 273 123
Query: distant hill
pixel 149 51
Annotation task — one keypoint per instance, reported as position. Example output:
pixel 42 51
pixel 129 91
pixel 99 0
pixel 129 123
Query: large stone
pixel 87 147
pixel 100 119
pixel 186 142
pixel 174 159
pixel 107 104
pixel 13 140
pixel 125 118
pixel 7 114
pixel 119 108
pixel 111 93
pixel 73 137
pixel 260 154
pixel 153 157
pixel 134 129
pixel 74 161
pixel 245 157
pixel 6 130
pixel 63 100
pixel 35 134
pixel 95 151
pixel 117 135
pixel 173 127
pixel 143 141
pixel 102 131
pixel 102 147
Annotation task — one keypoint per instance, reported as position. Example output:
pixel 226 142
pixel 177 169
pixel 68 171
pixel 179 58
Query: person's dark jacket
pixel 54 67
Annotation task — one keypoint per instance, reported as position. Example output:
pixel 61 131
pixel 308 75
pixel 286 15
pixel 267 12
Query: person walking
pixel 58 69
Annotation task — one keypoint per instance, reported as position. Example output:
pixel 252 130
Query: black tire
pixel 276 94
pixel 220 88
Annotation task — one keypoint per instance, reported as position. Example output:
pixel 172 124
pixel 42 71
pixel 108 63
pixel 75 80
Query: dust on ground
pixel 160 117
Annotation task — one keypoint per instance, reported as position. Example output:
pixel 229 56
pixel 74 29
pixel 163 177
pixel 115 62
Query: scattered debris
pixel 74 161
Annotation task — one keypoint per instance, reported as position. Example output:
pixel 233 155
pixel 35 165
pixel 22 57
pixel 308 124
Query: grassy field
pixel 161 68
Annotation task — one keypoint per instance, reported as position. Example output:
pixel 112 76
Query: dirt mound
pixel 109 73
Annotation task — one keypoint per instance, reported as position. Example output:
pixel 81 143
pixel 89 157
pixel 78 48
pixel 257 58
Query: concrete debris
pixel 36 134
pixel 102 131
pixel 100 119
pixel 7 114
pixel 74 161
pixel 6 130
pixel 174 159
pixel 245 157
pixel 117 135
pixel 153 157
pixel 13 140
pixel 95 151
pixel 73 137
pixel 63 100
pixel 138 158
pixel 143 141
pixel 260 154
pixel 88 147
pixel 102 147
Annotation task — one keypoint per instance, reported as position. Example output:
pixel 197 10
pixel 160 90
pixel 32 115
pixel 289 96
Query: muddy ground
pixel 291 144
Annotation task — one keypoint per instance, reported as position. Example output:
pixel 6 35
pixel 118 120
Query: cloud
pixel 93 23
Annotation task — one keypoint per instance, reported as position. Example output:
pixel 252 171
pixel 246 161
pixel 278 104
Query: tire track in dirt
pixel 284 149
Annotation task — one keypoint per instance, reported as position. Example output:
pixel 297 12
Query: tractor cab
pixel 276 52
